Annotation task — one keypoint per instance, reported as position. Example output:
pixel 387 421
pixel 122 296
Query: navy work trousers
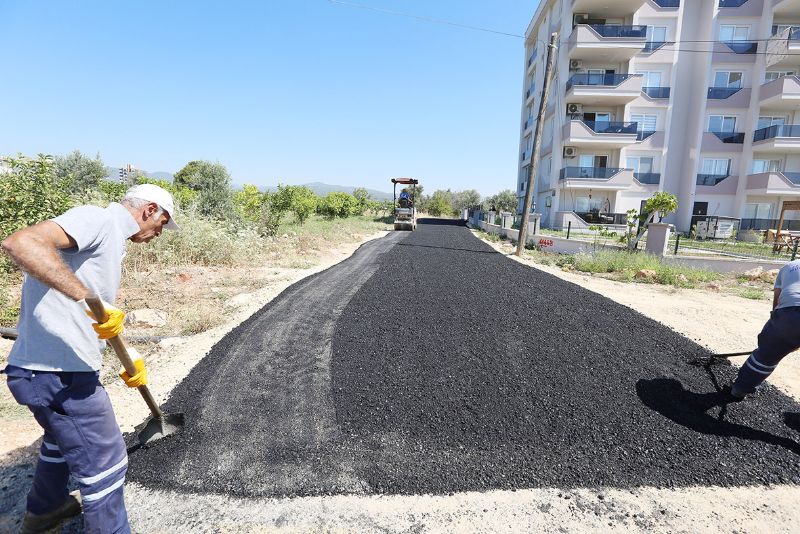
pixel 81 438
pixel 779 337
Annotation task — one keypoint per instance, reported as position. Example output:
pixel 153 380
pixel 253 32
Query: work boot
pixel 735 394
pixel 34 523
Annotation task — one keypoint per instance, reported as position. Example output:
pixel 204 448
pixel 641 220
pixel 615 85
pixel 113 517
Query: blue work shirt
pixel 788 281
pixel 55 334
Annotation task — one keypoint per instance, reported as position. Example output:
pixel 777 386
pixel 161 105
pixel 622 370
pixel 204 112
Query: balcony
pixel 731 3
pixel 528 124
pixel 652 46
pixel 530 93
pixel 602 134
pixel 783 94
pixel 595 178
pixel 606 9
pixel 668 4
pixel 604 89
pixel 641 136
pixel 710 179
pixel 606 43
pixel 532 58
pixel 774 183
pixel 783 138
pixel 736 138
pixel 657 92
pixel 722 142
pixel 722 93
pixel 717 184
pixel 648 178
pixel 734 52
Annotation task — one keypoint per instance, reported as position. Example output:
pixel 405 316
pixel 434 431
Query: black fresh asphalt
pixel 428 363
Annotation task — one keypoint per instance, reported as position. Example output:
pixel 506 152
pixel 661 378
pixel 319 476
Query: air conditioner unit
pixel 575 64
pixel 570 151
pixel 574 109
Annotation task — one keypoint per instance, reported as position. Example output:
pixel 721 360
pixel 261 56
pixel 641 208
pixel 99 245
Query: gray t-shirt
pixel 55 334
pixel 788 282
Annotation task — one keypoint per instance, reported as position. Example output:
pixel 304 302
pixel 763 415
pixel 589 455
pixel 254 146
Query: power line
pixel 516 35
pixel 426 19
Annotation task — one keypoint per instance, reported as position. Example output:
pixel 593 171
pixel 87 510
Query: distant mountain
pixel 322 189
pixel 113 174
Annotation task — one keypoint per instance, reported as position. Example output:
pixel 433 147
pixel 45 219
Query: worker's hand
pixel 113 325
pixel 140 378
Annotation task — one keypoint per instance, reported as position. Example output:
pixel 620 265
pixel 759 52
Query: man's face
pixel 150 225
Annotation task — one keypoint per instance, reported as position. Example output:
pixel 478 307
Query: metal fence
pixel 784 248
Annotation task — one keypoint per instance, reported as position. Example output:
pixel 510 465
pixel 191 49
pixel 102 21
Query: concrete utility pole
pixel 537 141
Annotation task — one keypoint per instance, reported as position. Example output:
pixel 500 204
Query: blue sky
pixel 289 91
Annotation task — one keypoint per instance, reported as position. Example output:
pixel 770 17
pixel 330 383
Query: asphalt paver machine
pixel 405 210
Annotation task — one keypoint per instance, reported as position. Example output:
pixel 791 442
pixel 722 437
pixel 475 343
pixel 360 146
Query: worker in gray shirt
pixel 779 337
pixel 53 368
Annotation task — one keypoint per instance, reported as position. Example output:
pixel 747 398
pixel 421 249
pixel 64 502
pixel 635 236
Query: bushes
pixel 31 193
pixel 339 205
pixel 201 241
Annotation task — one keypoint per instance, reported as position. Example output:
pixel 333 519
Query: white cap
pixel 159 195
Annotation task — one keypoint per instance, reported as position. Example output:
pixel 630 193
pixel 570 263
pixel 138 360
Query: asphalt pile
pixel 453 368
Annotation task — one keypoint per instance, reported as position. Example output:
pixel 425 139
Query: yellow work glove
pixel 140 378
pixel 113 326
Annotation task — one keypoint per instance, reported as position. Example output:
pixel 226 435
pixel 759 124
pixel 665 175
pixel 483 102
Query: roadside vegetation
pixel 222 228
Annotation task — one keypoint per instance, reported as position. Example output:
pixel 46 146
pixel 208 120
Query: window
pixel 601 76
pixel 586 204
pixel 757 210
pixel 780 28
pixel 644 123
pixel 522 186
pixel 656 34
pixel 591 160
pixel 766 122
pixel 721 123
pixel 766 165
pixel 772 75
pixel 640 164
pixel 723 78
pixel 729 32
pixel 720 167
pixel 651 78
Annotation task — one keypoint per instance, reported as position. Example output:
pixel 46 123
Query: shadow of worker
pixel 668 397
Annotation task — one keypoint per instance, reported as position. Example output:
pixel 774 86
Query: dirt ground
pixel 720 321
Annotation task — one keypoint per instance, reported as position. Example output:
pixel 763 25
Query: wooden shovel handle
pixel 118 344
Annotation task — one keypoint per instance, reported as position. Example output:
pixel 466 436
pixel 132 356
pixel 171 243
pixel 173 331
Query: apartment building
pixel 700 98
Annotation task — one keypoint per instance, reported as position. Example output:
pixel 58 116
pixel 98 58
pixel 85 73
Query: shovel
pixel 158 426
pixel 714 358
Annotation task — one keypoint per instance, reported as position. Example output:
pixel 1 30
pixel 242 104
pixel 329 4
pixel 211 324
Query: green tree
pixel 304 203
pixel 439 203
pixel 248 203
pixel 183 196
pixel 505 200
pixel 338 204
pixel 660 204
pixel 466 199
pixel 80 172
pixel 31 193
pixel 185 176
pixel 363 198
pixel 212 183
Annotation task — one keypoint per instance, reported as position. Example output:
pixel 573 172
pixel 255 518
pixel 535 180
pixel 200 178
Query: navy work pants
pixel 81 438
pixel 779 337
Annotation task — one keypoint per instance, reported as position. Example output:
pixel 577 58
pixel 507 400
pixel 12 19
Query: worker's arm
pixel 776 294
pixel 35 251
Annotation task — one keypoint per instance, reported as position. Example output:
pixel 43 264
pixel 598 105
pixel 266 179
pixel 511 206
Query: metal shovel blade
pixel 157 428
